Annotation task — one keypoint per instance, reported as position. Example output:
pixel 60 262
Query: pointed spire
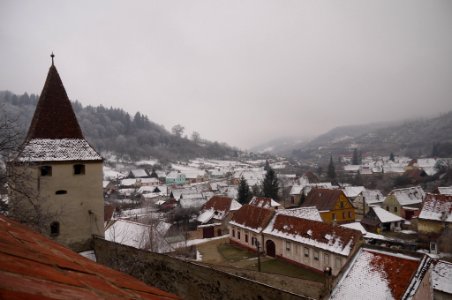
pixel 54 117
pixel 52 56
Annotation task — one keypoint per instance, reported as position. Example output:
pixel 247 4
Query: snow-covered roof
pixel 409 196
pixel 128 182
pixel 376 275
pixel 235 205
pixel 206 216
pixel 138 235
pixel 385 216
pixel 139 173
pixel 437 208
pixel 310 213
pixel 47 150
pixel 352 168
pixel 264 202
pixel 353 191
pixel 445 190
pixel 366 234
pixel 296 189
pixel 442 276
pixel 110 174
pixel 373 196
pixel 314 233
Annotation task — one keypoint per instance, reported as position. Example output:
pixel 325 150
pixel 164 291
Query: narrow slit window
pixel 61 192
pixel 55 229
pixel 79 169
pixel 46 171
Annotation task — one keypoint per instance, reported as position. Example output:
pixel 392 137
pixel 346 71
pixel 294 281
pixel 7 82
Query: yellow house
pixel 333 205
pixel 56 179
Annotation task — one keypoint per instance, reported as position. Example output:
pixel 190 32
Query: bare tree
pixel 178 130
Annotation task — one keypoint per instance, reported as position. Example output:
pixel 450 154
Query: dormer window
pixel 46 170
pixel 79 169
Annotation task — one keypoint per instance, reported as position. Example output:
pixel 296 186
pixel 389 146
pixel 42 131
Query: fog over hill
pixel 114 130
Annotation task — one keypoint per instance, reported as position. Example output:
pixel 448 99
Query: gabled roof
pixel 219 203
pixel 437 208
pixel 34 267
pixel 315 233
pixel 408 196
pixel 264 202
pixel 252 217
pixel 442 277
pixel 445 190
pixel 377 275
pixel 54 117
pixel 323 199
pixel 385 216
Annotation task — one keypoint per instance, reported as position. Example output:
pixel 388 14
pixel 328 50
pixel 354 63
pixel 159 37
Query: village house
pixel 405 202
pixel 434 222
pixel 175 178
pixel 333 205
pixel 215 215
pixel 446 190
pixel 377 220
pixel 383 275
pixel 310 243
pixel 59 169
pixel 246 226
pixel 365 199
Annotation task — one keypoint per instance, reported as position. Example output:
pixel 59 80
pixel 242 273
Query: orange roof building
pixel 35 267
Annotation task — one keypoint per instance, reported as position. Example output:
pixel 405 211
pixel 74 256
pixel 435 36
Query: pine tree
pixel 331 169
pixel 355 158
pixel 270 185
pixel 244 193
pixel 391 156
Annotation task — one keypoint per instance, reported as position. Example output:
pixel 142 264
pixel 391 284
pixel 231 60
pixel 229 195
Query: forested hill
pixel 114 130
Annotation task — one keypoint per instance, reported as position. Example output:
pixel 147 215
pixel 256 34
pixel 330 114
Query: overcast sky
pixel 241 72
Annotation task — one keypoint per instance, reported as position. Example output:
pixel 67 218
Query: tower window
pixel 61 192
pixel 46 171
pixel 79 169
pixel 55 229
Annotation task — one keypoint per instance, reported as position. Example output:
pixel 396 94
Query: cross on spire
pixel 52 56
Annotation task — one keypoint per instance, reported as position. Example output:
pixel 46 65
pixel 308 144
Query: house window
pixel 395 208
pixel 79 169
pixel 46 171
pixel 61 192
pixel 342 204
pixel 387 208
pixel 238 234
pixel 306 252
pixel 54 229
pixel 316 255
pixel 333 216
pixel 326 259
pixel 246 237
pixel 343 216
pixel 233 232
pixel 297 249
pixel 288 245
pixel 350 214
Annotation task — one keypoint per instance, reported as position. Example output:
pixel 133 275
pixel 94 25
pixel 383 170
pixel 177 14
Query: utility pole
pixel 258 255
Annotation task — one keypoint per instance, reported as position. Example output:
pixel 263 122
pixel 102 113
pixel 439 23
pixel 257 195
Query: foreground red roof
pixel 34 267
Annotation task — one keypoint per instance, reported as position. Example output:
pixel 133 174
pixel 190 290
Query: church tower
pixel 56 179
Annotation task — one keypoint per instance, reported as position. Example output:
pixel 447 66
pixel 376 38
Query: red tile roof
pixel 34 267
pixel 219 203
pixel 54 117
pixel 337 238
pixel 253 217
pixel 323 199
pixel 437 208
pixel 262 202
pixel 397 271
